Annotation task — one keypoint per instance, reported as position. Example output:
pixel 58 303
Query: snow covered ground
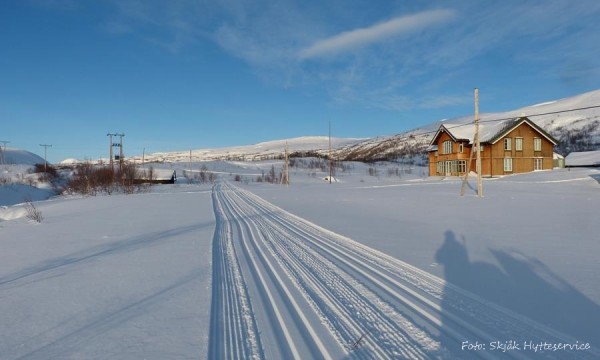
pixel 529 245
pixel 381 264
pixel 108 277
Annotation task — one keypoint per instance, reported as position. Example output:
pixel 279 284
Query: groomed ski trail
pixel 284 288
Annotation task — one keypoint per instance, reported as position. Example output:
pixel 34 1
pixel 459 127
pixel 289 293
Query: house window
pixel 508 164
pixel 462 166
pixel 507 143
pixel 447 147
pixel 461 148
pixel 537 144
pixel 538 164
pixel 440 167
pixel 519 144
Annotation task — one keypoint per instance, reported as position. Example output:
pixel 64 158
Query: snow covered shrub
pixel 33 213
pixel 48 169
pixel 127 176
pixel 89 179
pixel 31 181
pixel 84 180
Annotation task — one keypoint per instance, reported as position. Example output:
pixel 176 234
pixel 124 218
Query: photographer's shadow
pixel 523 285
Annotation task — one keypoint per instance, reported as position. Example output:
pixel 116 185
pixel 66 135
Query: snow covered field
pixel 377 265
pixel 530 245
pixel 108 277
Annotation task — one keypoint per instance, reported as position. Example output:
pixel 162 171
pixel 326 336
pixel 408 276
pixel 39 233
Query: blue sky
pixel 177 75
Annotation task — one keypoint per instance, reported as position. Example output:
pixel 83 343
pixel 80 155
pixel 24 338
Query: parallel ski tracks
pixel 233 330
pixel 374 306
pixel 349 309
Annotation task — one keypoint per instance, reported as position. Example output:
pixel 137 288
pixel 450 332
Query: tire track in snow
pixel 357 292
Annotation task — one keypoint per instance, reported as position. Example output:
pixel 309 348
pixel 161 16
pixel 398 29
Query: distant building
pixel 559 161
pixel 583 159
pixel 507 147
pixel 155 176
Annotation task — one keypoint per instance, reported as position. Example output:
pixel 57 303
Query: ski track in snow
pixel 286 288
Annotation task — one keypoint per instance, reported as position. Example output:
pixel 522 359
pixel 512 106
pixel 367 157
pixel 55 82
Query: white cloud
pixel 170 25
pixel 361 37
pixel 428 61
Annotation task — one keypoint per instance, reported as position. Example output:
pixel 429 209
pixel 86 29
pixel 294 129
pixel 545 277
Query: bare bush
pixel 33 213
pixel 31 181
pixel 47 169
pixel 127 176
pixel 212 177
pixel 90 180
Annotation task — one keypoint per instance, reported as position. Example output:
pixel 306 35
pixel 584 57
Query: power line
pixel 514 117
pixel 548 113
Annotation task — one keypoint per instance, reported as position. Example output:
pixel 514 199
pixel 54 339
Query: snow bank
pixel 17 156
pixel 19 193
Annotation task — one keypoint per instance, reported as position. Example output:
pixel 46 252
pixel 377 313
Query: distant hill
pixel 20 157
pixel 301 146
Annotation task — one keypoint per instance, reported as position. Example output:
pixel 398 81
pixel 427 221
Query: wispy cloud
pixel 395 100
pixel 410 56
pixel 361 37
pixel 170 25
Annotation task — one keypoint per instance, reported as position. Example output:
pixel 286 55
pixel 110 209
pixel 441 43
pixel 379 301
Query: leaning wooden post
pixel 478 145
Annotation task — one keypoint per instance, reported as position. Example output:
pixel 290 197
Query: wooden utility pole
pixel 477 147
pixel 285 177
pixel 330 168
pixel 467 171
pixel 110 151
pixel 111 144
pixel 46 146
pixel 2 158
pixel 121 159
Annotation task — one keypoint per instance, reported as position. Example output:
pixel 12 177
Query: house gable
pixel 516 123
pixel 442 130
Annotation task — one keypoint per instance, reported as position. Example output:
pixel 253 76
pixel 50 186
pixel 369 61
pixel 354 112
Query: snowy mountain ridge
pixel 305 145
pixel 577 130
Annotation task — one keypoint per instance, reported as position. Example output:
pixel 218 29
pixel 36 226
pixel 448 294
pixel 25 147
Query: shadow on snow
pixel 522 284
